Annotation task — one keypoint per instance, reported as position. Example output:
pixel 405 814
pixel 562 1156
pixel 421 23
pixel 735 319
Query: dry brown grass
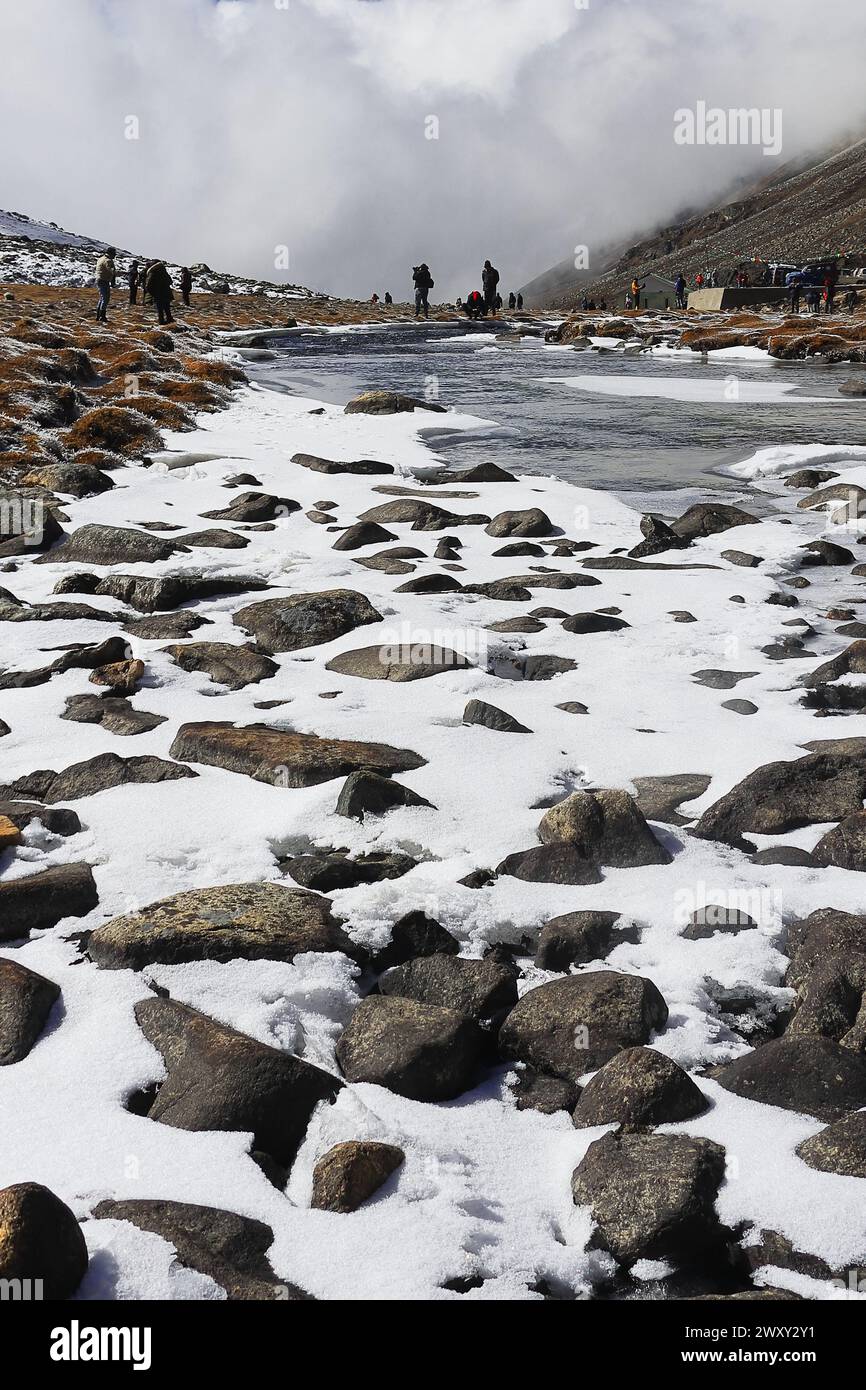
pixel 118 430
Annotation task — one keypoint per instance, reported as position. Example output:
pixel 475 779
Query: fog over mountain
pixel 306 124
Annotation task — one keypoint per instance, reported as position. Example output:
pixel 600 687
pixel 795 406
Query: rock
pixel 413 935
pixel 853 386
pixel 544 667
pixel 573 707
pixel 97 774
pixel 420 1051
pixel 593 622
pixel 851 497
pixel 363 533
pixel 398 662
pixel 519 548
pixel 430 584
pixel 576 1024
pixel 576 938
pixel 166 627
pixel 254 506
pixel 26 1000
pixel 831 1002
pixel 58 820
pixel 556 863
pixel 658 536
pixel 123 677
pixel 808 1074
pixel 479 712
pixel 368 792
pixel 388 403
pixel 72 479
pixel 113 712
pixel 305 620
pixel 171 590
pixel 225 663
pixel 740 706
pixel 327 870
pixel 852 661
pixel 659 798
pixel 721 680
pixel 784 796
pixel 43 899
pixel 827 553
pixel 218 1079
pixel 845 846
pixel 349 1173
pixel 477 989
pixel 40 1240
pixel 359 466
pixel 786 855
pixel 810 477
pixel 709 518
pixel 531 522
pixel 228 1248
pixel 516 625
pixel 214 539
pixel 546 1094
pixel 110 545
pixel 4 728
pixel 423 515
pixel 483 473
pixel 637 1088
pixel 10 835
pixel 244 921
pixel 283 758
pixel 822 935
pixel 606 826
pixel 713 918
pixel 840 1148
pixel 652 1196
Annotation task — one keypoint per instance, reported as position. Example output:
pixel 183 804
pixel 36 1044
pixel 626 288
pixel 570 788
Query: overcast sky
pixel 305 124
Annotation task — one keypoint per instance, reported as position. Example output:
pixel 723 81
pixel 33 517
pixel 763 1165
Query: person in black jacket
pixel 185 284
pixel 158 286
pixel 423 285
pixel 489 281
pixel 132 281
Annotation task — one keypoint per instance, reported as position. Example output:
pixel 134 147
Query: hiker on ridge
pixel 423 285
pixel 185 284
pixel 132 281
pixel 489 281
pixel 158 286
pixel 512 300
pixel 106 276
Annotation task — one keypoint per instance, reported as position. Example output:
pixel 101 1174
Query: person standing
pixel 158 286
pixel 489 282
pixel 512 300
pixel 388 297
pixel 520 301
pixel 132 282
pixel 106 276
pixel 423 285
pixel 680 290
pixel 185 284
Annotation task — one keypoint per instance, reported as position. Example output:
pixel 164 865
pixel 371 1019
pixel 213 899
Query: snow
pixel 721 390
pixel 485 1189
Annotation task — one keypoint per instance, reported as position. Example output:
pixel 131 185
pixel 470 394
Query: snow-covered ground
pixel 485 1188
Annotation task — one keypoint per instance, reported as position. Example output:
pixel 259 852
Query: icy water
pixel 642 448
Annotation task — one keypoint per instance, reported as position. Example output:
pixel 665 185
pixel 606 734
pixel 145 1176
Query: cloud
pixel 306 123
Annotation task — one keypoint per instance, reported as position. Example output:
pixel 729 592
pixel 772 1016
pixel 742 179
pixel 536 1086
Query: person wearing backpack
pixel 106 276
pixel 423 285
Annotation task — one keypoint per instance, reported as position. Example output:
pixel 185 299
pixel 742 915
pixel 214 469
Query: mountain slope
pixel 808 208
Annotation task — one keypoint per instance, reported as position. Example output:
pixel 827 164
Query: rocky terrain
pixel 413 889
pixel 811 208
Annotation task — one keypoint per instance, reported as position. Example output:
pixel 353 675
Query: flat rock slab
pixel 232 666
pixel 305 620
pixel 244 921
pixel 228 1248
pixel 110 545
pixel 364 467
pixel 113 712
pixel 388 403
pixel 659 798
pixel 97 774
pixel 219 1079
pixel 43 899
pixel 398 662
pixel 284 758
pixel 163 592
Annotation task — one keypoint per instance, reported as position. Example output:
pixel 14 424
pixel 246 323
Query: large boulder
pixel 110 545
pixel 809 1074
pixel 421 1051
pixel 556 863
pixel 652 1196
pixel 576 938
pixel 478 989
pixel 368 793
pixel 840 1148
pixel 43 899
pixel 40 1241
pixel 639 1087
pixel 571 1026
pixel 219 1079
pixel 99 774
pixel 388 403
pixel 156 593
pixel 606 826
pixel 254 507
pixel 228 1248
pixel 850 662
pixel 350 1173
pixel 398 662
pixel 844 847
pixel 416 934
pixel 822 935
pixel 26 1000
pixel 284 758
pixel 305 620
pixel 246 921
pixel 531 522
pixel 709 518
pixel 833 1001
pixel 226 663
pixel 785 796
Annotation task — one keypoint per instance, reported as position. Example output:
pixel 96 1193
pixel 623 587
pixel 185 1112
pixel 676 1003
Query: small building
pixel 657 293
